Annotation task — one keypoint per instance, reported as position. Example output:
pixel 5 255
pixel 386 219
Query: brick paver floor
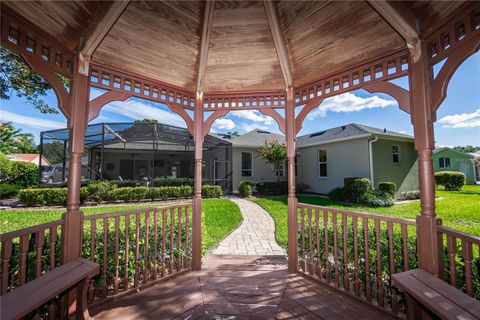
pixel 255 236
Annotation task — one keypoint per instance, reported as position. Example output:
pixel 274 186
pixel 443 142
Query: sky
pixel 458 118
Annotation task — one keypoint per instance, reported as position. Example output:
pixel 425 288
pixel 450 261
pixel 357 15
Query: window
pixel 396 154
pixel 247 164
pixel 280 170
pixel 444 163
pixel 322 163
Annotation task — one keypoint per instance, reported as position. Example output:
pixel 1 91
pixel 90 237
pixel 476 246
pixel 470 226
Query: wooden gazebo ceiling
pixel 161 40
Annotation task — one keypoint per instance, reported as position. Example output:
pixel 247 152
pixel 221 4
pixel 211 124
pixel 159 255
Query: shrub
pixel 24 174
pixel 5 167
pixel 209 191
pixel 170 182
pixel 47 196
pixel 410 195
pixel 127 194
pixel 338 194
pixel 272 188
pixel 388 187
pixel 245 189
pixel 8 190
pixel 378 198
pixel 160 193
pixel 100 191
pixel 451 180
pixel 356 188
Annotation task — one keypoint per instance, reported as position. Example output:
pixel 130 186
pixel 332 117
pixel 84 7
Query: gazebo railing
pixel 356 252
pixel 460 261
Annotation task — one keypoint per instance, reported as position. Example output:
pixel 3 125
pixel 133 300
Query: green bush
pixel 172 182
pixel 8 190
pixel 100 191
pixel 127 194
pixel 24 174
pixel 388 187
pixel 356 188
pixel 410 195
pixel 272 188
pixel 338 194
pixel 209 191
pixel 5 167
pixel 451 180
pixel 378 198
pixel 245 189
pixel 47 196
pixel 160 193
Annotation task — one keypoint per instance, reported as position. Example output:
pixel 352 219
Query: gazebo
pixel 204 59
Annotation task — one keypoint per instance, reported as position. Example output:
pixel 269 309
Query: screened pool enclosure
pixel 137 153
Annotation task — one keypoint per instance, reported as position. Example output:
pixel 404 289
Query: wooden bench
pixel 29 297
pixel 428 297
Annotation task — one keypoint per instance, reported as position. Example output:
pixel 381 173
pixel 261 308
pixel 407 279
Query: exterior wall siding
pixel 458 162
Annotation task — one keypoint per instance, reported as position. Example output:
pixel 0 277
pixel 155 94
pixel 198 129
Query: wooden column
pixel 77 123
pixel 292 200
pixel 197 197
pixel 423 118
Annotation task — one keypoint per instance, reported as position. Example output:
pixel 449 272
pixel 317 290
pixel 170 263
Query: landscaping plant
pixel 451 180
pixel 245 189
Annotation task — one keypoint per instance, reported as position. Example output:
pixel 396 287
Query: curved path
pixel 254 237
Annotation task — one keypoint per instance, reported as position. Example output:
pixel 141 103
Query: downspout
pixel 370 158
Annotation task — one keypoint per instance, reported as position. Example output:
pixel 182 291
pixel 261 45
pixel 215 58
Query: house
pixel 326 157
pixel 28 157
pixel 448 159
pixel 476 164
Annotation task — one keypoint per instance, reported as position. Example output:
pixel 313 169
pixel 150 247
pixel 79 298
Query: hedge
pixel 8 190
pixel 388 187
pixel 24 174
pixel 209 191
pixel 48 196
pixel 272 188
pixel 451 180
pixel 169 192
pixel 358 190
pixel 245 189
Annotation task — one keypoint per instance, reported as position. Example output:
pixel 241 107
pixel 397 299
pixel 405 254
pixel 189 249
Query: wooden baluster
pixel 310 242
pixel 356 279
pixel 164 247
pixel 368 289
pixel 137 250
pixel 172 231
pixel 6 254
pixel 127 251
pixel 186 260
pixel 391 259
pixel 346 282
pixel 39 243
pixel 327 262
pixel 93 232
pixel 23 260
pixel 380 299
pixel 105 255
pixel 179 238
pixel 146 269
pixel 116 283
pixel 302 230
pixel 317 224
pixel 452 254
pixel 467 256
pixel 335 248
pixel 155 245
pixel 406 264
pixel 53 242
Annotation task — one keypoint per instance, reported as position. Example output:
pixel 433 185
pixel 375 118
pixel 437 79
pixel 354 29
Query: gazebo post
pixel 423 117
pixel 197 197
pixel 292 200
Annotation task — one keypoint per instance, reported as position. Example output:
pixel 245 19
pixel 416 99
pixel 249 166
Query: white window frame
pixel 319 163
pixel 398 153
pixel 444 163
pixel 282 170
pixel 241 164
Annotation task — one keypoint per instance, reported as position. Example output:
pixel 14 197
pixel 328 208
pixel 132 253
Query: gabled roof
pixel 468 155
pixel 346 132
pixel 24 156
pixel 256 138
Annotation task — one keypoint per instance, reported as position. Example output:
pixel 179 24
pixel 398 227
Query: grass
pixel 458 210
pixel 221 216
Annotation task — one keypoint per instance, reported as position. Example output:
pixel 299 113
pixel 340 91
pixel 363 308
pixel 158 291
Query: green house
pixel 448 159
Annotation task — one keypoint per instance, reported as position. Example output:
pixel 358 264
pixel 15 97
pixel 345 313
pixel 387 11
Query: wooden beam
pixel 273 21
pixel 401 19
pixel 102 22
pixel 204 43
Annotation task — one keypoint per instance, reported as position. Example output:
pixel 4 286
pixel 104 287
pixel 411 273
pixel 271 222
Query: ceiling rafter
pixel 402 20
pixel 274 22
pixel 101 24
pixel 204 43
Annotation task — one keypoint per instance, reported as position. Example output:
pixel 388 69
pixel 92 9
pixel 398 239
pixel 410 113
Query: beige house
pixel 28 157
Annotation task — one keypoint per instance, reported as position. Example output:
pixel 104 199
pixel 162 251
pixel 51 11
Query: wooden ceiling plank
pixel 273 20
pixel 103 21
pixel 204 43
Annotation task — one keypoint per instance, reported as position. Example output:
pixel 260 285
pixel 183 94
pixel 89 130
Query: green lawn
pixel 458 210
pixel 221 216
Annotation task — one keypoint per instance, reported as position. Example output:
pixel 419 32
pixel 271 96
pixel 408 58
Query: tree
pixel 234 133
pixel 466 149
pixel 146 121
pixel 274 153
pixel 15 141
pixel 16 76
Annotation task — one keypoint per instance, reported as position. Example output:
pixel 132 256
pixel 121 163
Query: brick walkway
pixel 255 236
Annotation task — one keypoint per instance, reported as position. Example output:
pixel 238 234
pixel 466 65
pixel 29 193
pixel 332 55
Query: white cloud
pixel 247 127
pixel 348 102
pixel 31 121
pixel 138 110
pixel 461 120
pixel 253 115
pixel 223 124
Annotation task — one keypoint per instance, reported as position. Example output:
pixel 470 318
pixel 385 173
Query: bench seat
pixel 430 297
pixel 34 294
